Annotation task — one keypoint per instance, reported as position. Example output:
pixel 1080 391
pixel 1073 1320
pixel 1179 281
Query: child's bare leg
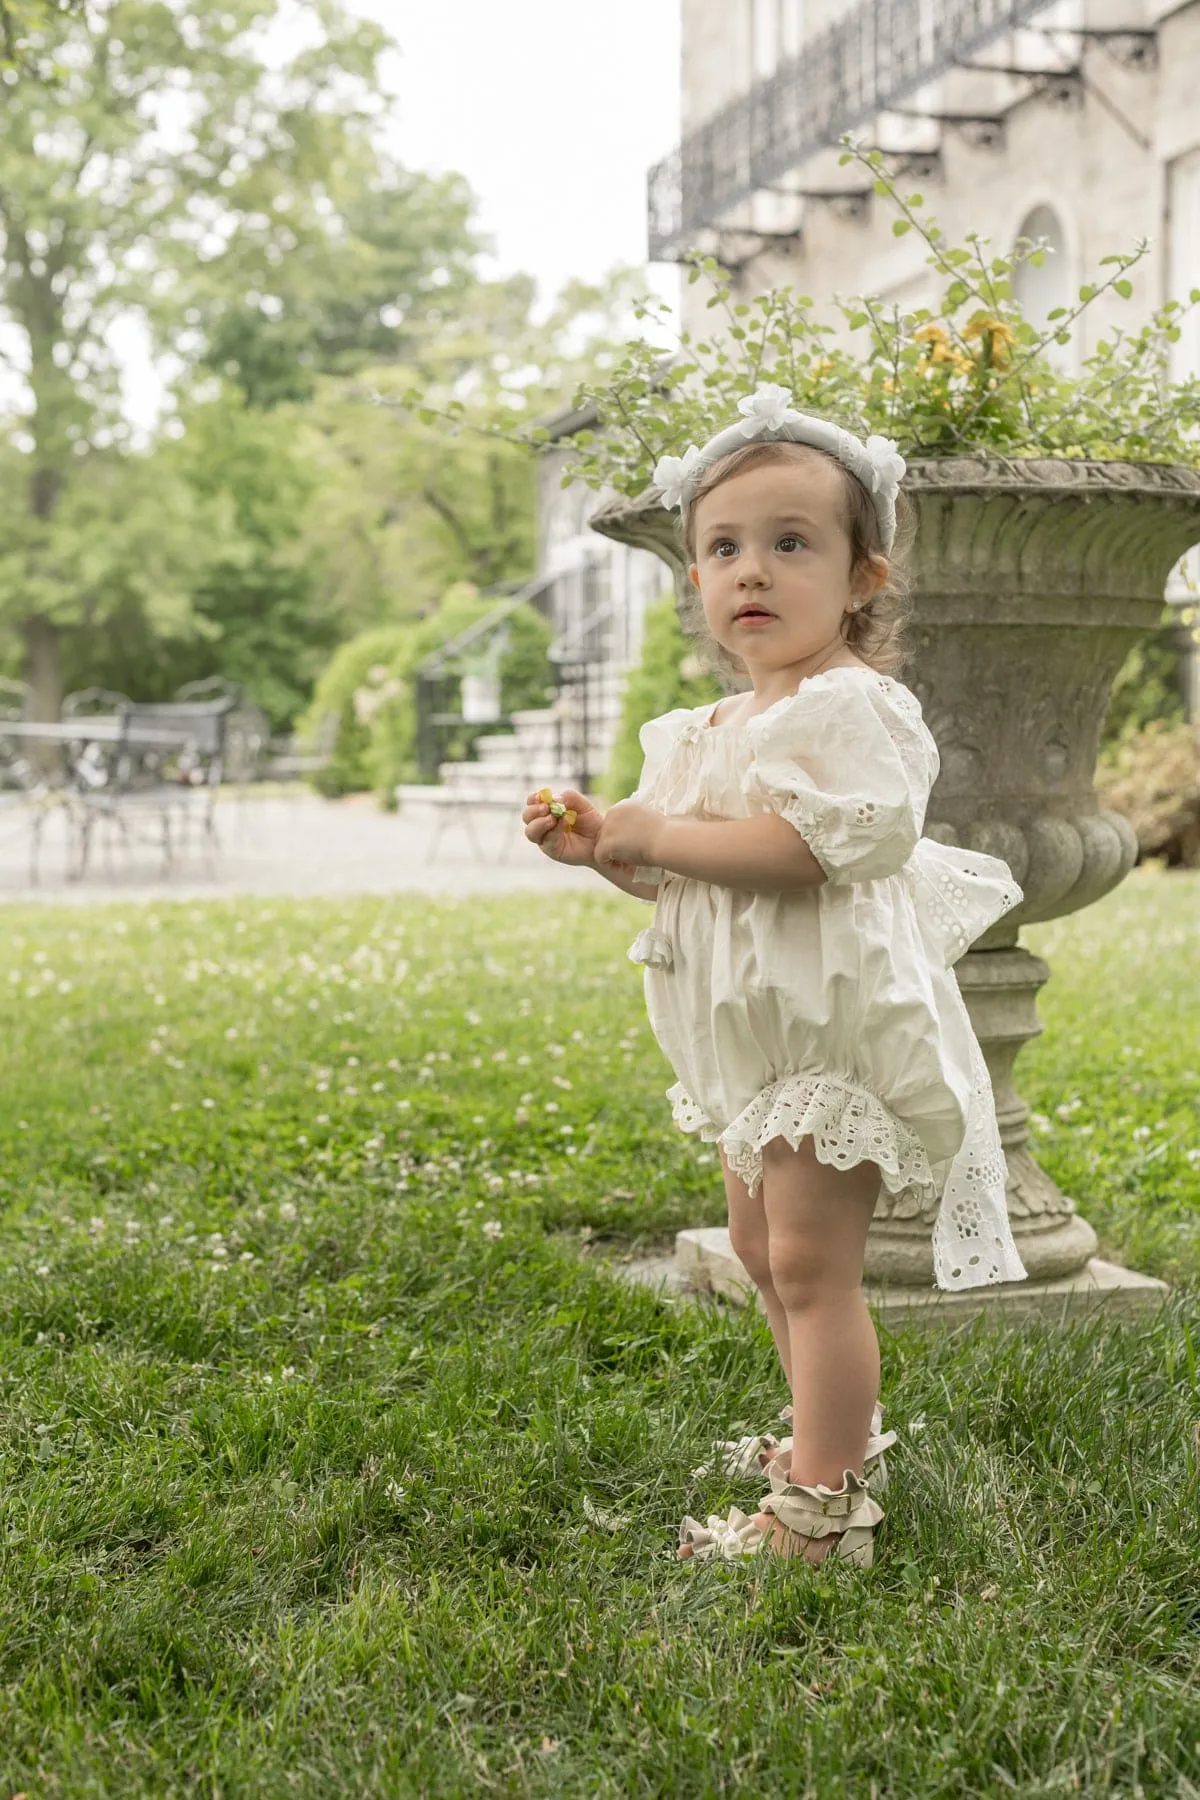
pixel 817 1221
pixel 751 1245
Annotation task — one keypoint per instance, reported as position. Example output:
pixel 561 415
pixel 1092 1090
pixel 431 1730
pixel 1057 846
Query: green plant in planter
pixel 973 377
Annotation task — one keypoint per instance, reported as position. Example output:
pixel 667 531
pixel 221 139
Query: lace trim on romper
pixel 846 1122
pixel 972 1238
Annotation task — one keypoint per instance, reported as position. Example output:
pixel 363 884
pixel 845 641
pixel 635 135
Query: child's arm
pixel 578 845
pixel 764 855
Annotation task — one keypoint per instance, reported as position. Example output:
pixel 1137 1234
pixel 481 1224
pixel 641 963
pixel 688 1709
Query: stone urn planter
pixel 1030 583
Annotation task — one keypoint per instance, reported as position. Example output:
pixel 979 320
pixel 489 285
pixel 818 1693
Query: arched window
pixel 1039 290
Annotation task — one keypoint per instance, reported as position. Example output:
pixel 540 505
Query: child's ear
pixel 694 576
pixel 870 575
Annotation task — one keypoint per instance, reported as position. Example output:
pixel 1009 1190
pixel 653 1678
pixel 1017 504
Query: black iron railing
pixel 868 62
pixel 439 678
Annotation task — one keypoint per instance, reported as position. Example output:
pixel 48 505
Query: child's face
pixel 773 562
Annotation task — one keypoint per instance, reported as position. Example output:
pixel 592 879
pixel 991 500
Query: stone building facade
pixel 1075 122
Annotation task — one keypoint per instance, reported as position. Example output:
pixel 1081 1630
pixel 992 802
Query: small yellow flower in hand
pixel 567 814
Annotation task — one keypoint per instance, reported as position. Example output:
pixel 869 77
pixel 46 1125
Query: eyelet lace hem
pixel 972 1238
pixel 959 894
pixel 847 1124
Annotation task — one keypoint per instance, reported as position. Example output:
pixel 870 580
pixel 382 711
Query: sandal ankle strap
pixel 821 1511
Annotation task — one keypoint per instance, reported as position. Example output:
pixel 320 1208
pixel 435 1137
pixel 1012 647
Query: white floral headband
pixel 768 413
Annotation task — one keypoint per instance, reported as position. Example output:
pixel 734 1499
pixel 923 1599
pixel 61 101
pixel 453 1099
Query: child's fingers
pixel 538 830
pixel 577 802
pixel 536 809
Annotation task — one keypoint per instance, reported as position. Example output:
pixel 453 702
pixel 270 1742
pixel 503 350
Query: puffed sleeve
pixel 656 738
pixel 850 764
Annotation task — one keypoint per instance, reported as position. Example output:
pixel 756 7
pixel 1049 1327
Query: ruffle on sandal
pixel 729 1538
pixel 752 1456
pixel 850 1513
pixel 813 1512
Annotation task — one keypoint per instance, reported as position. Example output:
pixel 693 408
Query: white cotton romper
pixel 833 1011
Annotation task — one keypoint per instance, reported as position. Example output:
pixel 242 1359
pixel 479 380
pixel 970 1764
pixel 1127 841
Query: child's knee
pixel 751 1246
pixel 805 1275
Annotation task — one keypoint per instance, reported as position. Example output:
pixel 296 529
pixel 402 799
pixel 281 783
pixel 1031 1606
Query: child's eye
pixel 722 545
pixel 790 541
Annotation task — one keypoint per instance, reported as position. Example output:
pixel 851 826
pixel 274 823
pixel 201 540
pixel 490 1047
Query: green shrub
pixel 363 664
pixel 525 682
pixel 1149 684
pixel 668 675
pixel 370 685
pixel 1152 777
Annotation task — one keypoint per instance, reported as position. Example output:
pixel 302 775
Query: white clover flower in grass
pixel 492 1229
pixel 287 1210
pixel 671 475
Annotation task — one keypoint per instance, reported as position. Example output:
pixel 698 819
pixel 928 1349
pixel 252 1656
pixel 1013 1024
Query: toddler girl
pixel 799 971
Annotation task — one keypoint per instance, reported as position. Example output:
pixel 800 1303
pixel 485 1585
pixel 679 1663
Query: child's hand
pixel 629 834
pixel 576 844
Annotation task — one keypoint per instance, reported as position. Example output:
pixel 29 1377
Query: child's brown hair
pixel 876 631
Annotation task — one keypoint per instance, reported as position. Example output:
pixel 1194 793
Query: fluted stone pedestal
pixel 1031 580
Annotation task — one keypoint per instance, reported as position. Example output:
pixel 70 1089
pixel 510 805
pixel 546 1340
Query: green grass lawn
pixel 333 1460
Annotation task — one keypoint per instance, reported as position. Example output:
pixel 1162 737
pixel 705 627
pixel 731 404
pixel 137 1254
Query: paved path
pixel 299 845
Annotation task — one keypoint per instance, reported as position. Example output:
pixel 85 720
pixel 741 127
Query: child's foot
pixel 794 1522
pixel 782 1541
pixel 789 1543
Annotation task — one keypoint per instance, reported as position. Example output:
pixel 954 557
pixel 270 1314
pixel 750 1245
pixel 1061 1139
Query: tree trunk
pixel 43 666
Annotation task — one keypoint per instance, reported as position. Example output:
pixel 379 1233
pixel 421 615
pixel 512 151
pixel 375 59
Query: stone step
pixel 499 748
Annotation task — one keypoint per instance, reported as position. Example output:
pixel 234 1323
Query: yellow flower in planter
pixel 998 337
pixel 942 350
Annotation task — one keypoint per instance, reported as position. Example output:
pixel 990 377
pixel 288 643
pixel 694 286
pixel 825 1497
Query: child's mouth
pixel 753 615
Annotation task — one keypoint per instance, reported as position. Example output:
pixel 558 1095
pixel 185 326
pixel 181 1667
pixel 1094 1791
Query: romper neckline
pixel 709 723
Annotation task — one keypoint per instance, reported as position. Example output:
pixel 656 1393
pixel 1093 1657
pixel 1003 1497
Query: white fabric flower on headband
pixel 887 464
pixel 768 405
pixel 671 475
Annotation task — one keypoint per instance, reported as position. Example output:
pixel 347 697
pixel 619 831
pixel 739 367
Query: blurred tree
pixel 23 21
pixel 254 609
pixel 173 170
pixel 429 475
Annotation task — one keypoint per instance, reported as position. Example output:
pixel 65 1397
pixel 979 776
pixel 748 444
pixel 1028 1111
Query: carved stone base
pixel 1000 989
pixel 705 1258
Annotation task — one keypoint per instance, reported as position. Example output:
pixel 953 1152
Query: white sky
pixel 553 110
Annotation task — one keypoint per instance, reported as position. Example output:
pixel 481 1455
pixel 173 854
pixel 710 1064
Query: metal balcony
pixel 868 63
